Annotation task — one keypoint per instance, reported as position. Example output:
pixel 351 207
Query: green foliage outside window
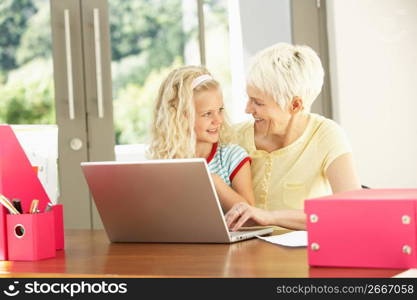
pixel 147 41
pixel 14 16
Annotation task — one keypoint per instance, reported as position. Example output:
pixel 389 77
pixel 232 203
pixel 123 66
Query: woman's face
pixel 209 115
pixel 264 109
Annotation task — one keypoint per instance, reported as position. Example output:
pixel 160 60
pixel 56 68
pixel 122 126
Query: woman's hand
pixel 243 213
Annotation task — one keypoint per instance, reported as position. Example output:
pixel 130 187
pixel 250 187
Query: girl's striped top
pixel 226 161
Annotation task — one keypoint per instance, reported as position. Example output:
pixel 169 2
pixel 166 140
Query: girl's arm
pixel 241 190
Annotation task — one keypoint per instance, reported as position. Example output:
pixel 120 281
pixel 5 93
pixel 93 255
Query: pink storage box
pixel 32 220
pixel 3 235
pixel 58 212
pixel 370 228
pixel 31 236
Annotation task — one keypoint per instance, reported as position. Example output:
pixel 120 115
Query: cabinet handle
pixel 99 77
pixel 69 65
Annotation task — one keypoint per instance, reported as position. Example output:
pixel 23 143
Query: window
pixel 27 96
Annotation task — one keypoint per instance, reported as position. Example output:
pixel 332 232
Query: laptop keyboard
pixel 238 233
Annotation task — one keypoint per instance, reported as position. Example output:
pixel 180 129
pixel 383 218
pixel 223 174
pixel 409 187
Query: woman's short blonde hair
pixel 172 131
pixel 285 71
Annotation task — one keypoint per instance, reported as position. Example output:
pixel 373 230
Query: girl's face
pixel 209 115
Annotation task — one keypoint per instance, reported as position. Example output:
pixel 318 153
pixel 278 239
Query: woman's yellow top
pixel 284 178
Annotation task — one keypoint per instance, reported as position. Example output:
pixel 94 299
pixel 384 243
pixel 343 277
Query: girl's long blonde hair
pixel 172 132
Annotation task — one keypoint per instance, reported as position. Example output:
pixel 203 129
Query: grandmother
pixel 295 154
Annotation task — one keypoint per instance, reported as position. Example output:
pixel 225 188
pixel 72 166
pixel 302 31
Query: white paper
pixel 291 239
pixel 410 273
pixel 40 143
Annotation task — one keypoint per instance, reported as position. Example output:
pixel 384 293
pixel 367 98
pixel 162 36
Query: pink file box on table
pixel 18 180
pixel 370 228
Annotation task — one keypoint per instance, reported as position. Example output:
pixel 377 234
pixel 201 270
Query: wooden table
pixel 88 253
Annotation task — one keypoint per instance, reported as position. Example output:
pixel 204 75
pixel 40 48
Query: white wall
pixel 264 23
pixel 254 25
pixel 373 65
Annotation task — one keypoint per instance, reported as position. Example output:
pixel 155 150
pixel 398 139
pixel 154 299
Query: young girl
pixel 188 118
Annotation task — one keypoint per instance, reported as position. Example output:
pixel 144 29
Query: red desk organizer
pixel 58 211
pixel 18 180
pixel 31 236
